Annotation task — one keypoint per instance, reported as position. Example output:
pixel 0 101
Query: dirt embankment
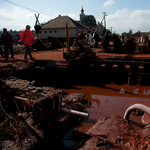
pixel 29 113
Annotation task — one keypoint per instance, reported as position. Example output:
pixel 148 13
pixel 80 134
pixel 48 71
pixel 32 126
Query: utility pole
pixel 37 26
pixel 105 14
pixel 111 29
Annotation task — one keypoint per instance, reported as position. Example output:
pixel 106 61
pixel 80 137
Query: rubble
pixel 29 115
pixel 30 118
pixel 17 48
pixel 114 132
pixel 96 144
pixel 110 127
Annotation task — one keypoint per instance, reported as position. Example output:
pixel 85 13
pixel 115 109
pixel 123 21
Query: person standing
pixel 1 52
pixel 7 40
pixel 80 36
pixel 89 38
pixel 96 38
pixel 27 38
pixel 122 39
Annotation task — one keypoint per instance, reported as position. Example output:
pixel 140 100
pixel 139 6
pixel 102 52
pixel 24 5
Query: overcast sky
pixel 122 15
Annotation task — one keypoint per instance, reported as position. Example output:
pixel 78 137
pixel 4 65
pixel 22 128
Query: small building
pixel 145 38
pixel 140 37
pixel 56 28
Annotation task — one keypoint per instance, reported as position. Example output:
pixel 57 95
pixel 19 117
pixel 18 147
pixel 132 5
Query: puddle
pixel 111 99
pixel 68 141
pixel 106 90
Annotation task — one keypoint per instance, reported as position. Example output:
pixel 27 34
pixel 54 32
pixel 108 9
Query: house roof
pixel 139 34
pixel 60 22
pixel 87 27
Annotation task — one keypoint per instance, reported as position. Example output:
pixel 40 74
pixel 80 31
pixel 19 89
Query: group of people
pixel 26 38
pixel 95 37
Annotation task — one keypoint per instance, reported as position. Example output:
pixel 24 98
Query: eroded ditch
pixel 36 81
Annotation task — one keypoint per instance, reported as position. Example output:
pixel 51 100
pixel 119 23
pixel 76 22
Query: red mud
pixel 57 55
pixel 109 99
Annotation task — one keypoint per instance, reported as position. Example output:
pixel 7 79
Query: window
pixel 55 31
pixel 40 32
pixel 50 31
pixel 45 31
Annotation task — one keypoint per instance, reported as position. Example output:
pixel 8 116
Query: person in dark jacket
pixel 96 38
pixel 1 51
pixel 7 40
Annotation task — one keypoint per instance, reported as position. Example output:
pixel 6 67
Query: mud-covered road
pixel 57 55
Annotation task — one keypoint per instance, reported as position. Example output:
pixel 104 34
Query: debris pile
pixel 114 132
pixel 50 43
pixel 117 44
pixel 29 114
pixel 105 43
pixel 18 48
pixel 128 47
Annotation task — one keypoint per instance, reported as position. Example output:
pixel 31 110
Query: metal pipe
pixel 79 113
pixel 134 107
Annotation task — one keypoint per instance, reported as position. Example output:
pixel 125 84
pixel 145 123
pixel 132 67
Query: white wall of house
pixel 57 33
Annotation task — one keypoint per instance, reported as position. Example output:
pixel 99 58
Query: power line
pixel 28 8
pixel 10 19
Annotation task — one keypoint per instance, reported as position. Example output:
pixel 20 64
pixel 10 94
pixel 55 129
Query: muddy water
pixel 111 99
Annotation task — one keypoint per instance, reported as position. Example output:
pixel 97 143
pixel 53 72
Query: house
pixel 56 28
pixel 140 37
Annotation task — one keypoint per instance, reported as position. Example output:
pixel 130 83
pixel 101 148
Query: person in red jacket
pixel 27 38
pixel 80 36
